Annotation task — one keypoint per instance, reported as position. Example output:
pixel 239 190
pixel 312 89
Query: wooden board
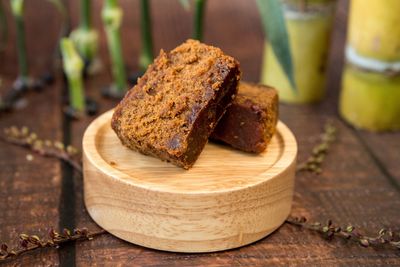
pixel 227 200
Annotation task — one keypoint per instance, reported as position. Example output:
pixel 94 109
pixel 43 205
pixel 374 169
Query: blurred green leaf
pixel 275 29
pixel 185 4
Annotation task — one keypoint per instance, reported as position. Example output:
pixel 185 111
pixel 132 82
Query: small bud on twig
pixel 384 237
pixel 25 138
pixel 55 239
pixel 314 162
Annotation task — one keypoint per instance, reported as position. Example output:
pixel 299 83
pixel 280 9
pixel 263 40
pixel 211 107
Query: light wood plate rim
pixel 101 164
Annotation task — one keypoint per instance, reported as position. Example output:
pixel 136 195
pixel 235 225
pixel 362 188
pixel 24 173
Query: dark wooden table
pixel 360 183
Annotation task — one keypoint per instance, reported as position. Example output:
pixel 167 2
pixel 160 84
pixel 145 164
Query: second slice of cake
pixel 175 106
pixel 250 122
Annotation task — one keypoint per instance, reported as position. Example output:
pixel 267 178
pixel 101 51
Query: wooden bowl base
pixel 227 200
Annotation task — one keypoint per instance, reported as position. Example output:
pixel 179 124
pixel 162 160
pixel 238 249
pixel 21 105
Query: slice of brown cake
pixel 174 107
pixel 250 122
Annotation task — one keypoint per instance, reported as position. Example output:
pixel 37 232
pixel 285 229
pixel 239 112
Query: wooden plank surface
pixel 30 190
pixel 354 187
pixel 385 150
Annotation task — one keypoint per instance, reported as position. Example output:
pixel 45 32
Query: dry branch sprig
pixel 54 239
pixel 384 237
pixel 314 162
pixel 26 138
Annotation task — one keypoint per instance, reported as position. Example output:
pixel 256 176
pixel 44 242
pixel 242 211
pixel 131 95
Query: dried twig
pixel 55 239
pixel 384 237
pixel 314 162
pixel 55 149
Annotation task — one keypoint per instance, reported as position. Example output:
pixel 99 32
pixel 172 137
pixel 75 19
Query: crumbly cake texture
pixel 176 104
pixel 250 122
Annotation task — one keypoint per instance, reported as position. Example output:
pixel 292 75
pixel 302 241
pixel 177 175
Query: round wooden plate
pixel 227 200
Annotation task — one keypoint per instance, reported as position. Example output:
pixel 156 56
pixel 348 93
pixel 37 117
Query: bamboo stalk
pixel 370 93
pixel 370 100
pixel 309 25
pixel 378 36
pixel 112 19
pixel 73 68
pixel 146 55
pixel 198 19
pixel 17 8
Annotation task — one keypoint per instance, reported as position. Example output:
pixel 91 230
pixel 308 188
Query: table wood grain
pixel 360 183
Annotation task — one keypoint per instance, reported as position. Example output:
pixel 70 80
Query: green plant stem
pixel 185 4
pixel 85 14
pixel 118 68
pixel 112 17
pixel 111 3
pixel 17 10
pixel 22 58
pixel 73 68
pixel 198 19
pixel 66 24
pixel 59 4
pixel 85 37
pixel 3 27
pixel 146 55
pixel 76 96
